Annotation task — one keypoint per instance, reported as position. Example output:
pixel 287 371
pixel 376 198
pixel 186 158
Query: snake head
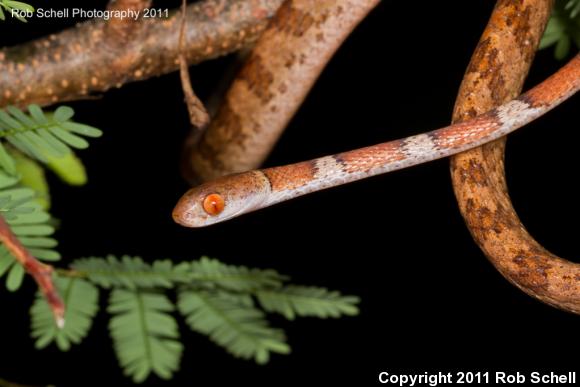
pixel 222 199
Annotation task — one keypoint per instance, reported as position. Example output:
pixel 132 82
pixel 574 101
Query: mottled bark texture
pixel 283 66
pixel 97 55
pixel 495 75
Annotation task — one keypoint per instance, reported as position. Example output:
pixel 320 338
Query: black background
pixel 430 299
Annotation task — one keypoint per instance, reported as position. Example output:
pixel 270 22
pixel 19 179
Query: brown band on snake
pixel 496 74
pixel 283 66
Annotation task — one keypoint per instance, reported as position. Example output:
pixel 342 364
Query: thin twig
pixel 198 115
pixel 41 273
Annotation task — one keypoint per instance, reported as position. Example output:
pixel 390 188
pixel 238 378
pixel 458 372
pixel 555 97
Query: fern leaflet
pixel 212 273
pixel 41 135
pixel 81 300
pixel 30 223
pixel 145 335
pixel 241 329
pixel 131 272
pixel 563 28
pixel 292 301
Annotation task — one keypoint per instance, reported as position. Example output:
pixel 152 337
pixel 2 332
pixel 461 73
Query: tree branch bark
pixel 84 60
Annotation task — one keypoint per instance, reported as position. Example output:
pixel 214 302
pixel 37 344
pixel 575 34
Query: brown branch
pixel 496 74
pixel 77 62
pixel 41 273
pixel 198 116
pixel 123 29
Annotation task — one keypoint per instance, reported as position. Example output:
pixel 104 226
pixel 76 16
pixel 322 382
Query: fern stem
pixel 70 273
pixel 41 273
pixel 144 328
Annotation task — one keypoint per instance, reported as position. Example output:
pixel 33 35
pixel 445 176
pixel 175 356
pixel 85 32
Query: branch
pixel 124 29
pixel 41 273
pixel 83 60
pixel 496 74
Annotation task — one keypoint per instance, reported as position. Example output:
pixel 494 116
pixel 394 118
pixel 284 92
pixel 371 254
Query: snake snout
pixel 187 212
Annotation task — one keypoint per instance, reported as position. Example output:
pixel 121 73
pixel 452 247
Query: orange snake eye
pixel 213 204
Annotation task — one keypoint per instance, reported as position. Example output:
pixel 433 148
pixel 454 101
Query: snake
pixel 233 195
pixel 280 71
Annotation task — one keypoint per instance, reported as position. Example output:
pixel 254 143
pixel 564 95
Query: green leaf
pixel 69 138
pixel 15 277
pixel 562 48
pixel 241 329
pixel 6 161
pixel 85 130
pixel 6 260
pixel 131 272
pixel 44 137
pixel 40 230
pixel 211 272
pixel 69 168
pixel 7 180
pixel 63 114
pixel 292 301
pixel 38 242
pixel 563 28
pixel 37 114
pixel 145 335
pixel 32 176
pixel 81 300
pixel 19 5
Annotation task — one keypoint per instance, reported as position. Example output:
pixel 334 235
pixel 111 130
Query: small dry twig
pixel 198 115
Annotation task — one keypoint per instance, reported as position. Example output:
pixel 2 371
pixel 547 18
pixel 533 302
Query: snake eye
pixel 213 204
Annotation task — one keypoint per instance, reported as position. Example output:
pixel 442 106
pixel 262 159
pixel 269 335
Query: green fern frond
pixel 131 272
pixel 241 329
pixel 212 273
pixel 573 6
pixel 32 175
pixel 69 169
pixel 563 28
pixel 29 222
pixel 40 135
pixel 145 335
pixel 292 301
pixel 10 5
pixel 81 300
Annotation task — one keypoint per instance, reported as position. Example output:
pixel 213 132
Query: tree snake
pixel 233 195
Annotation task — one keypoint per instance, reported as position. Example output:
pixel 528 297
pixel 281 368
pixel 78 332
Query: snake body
pixel 237 194
pixel 280 71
